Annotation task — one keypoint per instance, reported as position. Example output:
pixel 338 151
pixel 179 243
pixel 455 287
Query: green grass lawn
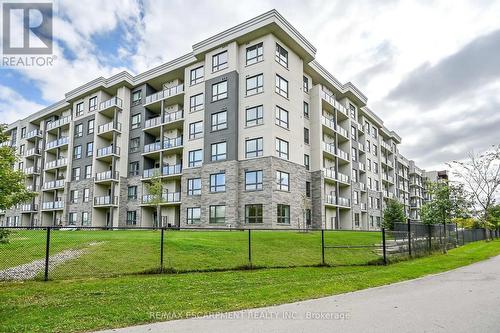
pixel 113 253
pixel 91 304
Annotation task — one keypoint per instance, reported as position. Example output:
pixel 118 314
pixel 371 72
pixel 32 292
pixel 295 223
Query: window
pixel 253 213
pixel 378 203
pixel 353 132
pixel 281 86
pixel 368 146
pixel 219 121
pixel 378 221
pixel 367 127
pixel 85 219
pixel 374 132
pixel 255 84
pixel 79 109
pixel 305 84
pixel 254 147
pixel 308 216
pixel 86 195
pixel 21 150
pixel 254 115
pixel 132 192
pixel 282 148
pixel 369 164
pixel 88 171
pixel 375 167
pixel 217 214
pixel 308 189
pixel 23 132
pixel 283 180
pixel 370 186
pixel 219 91
pixel 74 196
pixel 219 61
pixel 306 135
pixel 255 54
pixel 131 217
pixel 306 161
pixel 377 185
pixel 133 169
pixel 193 215
pixel 370 202
pixel 195 130
pixel 136 121
pixel 194 186
pixel 72 219
pixel 90 149
pixel 375 150
pixel 136 97
pixel 78 130
pixel 253 180
pixel 218 182
pixel 281 55
pixel 354 154
pixel 90 126
pixel 196 103
pixel 355 198
pixel 195 158
pixel 283 214
pixel 354 175
pixel 93 103
pixel 219 152
pixel 135 144
pixel 356 220
pixel 306 110
pixel 196 75
pixel 352 110
pixel 77 152
pixel 281 117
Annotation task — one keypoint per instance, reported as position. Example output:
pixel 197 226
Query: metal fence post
pixel 409 238
pixel 429 241
pixel 161 249
pixel 47 254
pixel 250 247
pixel 383 246
pixel 322 247
pixel 456 232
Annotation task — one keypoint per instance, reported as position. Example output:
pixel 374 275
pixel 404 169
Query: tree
pixel 155 189
pixel 12 182
pixel 393 213
pixel 448 201
pixel 494 217
pixel 480 174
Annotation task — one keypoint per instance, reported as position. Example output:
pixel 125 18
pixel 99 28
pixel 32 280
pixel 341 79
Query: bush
pixel 4 236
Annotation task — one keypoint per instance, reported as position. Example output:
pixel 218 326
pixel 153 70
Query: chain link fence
pixel 50 253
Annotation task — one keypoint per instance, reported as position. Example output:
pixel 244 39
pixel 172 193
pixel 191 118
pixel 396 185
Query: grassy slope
pixel 83 305
pixel 111 253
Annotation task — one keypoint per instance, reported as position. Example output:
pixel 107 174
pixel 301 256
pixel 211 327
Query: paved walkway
pixel 463 300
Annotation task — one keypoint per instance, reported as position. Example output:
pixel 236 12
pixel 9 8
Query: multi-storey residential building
pixel 247 129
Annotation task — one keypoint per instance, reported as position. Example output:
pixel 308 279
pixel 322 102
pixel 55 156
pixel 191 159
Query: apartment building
pixel 248 129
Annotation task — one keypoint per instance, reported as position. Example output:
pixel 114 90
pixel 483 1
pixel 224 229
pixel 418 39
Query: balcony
pixel 337 201
pixel 361 167
pixel 57 143
pixel 360 128
pixel 56 164
pixel 53 205
pixel 109 128
pixel 32 188
pixel 167 144
pixel 27 208
pixel 362 187
pixel 112 103
pixel 55 184
pixel 36 133
pixel 31 171
pixel 32 152
pixel 164 94
pixel 361 147
pixel 331 149
pixel 363 207
pixel 6 144
pixel 387 162
pixel 334 127
pixel 386 146
pixel 108 152
pixel 166 198
pixel 332 174
pixel 388 178
pixel 58 123
pixel 333 102
pixel 169 170
pixel 106 176
pixel 106 200
pixel 167 119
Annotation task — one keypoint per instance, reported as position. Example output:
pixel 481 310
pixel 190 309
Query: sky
pixel 430 69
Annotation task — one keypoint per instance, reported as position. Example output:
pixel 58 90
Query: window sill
pixel 257 93
pixel 250 126
pixel 219 69
pixel 254 63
